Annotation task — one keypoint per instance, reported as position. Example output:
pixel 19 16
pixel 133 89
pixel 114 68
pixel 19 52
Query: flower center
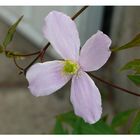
pixel 70 67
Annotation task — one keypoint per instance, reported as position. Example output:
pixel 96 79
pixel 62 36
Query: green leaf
pixel 135 42
pixel 135 79
pixel 80 127
pixel 135 129
pixel 11 32
pixel 58 129
pixel 132 65
pixel 121 118
pixel 98 128
pixel 68 117
pixel 135 66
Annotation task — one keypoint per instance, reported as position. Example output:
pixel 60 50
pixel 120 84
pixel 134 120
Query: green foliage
pixel 98 128
pixel 9 36
pixel 58 129
pixel 135 78
pixel 121 118
pixel 132 65
pixel 135 129
pixel 135 66
pixel 135 42
pixel 80 127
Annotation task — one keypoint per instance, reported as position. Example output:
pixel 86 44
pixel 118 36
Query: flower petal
pixel 46 78
pixel 86 98
pixel 62 33
pixel 95 52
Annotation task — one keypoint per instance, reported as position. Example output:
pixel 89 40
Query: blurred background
pixel 22 113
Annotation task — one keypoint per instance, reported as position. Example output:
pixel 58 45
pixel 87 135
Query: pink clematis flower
pixel 46 78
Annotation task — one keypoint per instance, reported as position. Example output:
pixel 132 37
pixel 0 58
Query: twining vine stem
pixel 48 44
pixel 36 58
pixel 42 52
pixel 14 58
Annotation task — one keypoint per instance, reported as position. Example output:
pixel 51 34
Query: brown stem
pixel 17 64
pixel 38 56
pixel 114 86
pixel 79 12
pixel 74 17
pixel 35 53
pixel 41 53
pixel 42 56
pixel 45 48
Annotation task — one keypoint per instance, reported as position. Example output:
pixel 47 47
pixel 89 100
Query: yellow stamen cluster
pixel 70 67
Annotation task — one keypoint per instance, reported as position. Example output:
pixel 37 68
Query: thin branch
pixel 45 48
pixel 79 12
pixel 41 53
pixel 35 53
pixel 114 86
pixel 42 56
pixel 14 58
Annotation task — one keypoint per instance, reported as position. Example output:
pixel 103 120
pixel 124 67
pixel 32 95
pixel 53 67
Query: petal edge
pixel 86 98
pixel 95 53
pixel 46 78
pixel 62 33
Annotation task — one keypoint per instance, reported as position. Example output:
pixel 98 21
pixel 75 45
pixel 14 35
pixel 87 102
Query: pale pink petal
pixel 46 78
pixel 86 98
pixel 62 33
pixel 95 53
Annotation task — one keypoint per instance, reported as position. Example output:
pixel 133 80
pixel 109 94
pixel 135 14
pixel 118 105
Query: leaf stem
pixel 23 55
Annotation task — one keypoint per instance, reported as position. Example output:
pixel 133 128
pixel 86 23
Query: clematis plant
pixel 46 78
